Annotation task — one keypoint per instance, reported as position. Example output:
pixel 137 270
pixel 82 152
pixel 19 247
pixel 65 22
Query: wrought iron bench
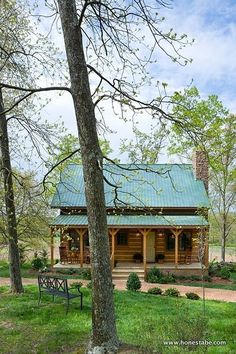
pixel 57 287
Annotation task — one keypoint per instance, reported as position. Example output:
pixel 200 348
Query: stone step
pixel 122 273
pixel 123 277
pixel 127 270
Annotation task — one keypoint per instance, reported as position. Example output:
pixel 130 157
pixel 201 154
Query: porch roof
pixel 130 221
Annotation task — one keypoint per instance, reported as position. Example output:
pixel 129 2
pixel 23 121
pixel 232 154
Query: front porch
pixel 172 249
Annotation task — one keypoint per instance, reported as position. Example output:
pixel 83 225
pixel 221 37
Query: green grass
pixel 26 270
pixel 142 319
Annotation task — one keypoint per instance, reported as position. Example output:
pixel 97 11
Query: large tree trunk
pixel 223 247
pixel 14 260
pixel 104 336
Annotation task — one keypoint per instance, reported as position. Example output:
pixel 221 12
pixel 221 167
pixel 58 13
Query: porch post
pixel 81 247
pixel 52 247
pixel 145 252
pixel 176 250
pixel 145 232
pixel 113 233
pixel 176 234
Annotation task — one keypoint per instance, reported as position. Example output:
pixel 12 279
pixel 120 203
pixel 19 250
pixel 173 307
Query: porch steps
pixel 122 273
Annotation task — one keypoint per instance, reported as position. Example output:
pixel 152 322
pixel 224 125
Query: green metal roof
pixel 134 220
pixel 169 185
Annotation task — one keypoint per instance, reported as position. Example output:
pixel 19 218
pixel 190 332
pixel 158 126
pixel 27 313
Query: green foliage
pixel 76 285
pixel 166 279
pixel 86 273
pixel 221 269
pixel 207 278
pixel 40 260
pixel 155 291
pixel 145 148
pixel 133 282
pixel 37 263
pixel 225 273
pixel 172 292
pixel 192 296
pixel 194 277
pixel 154 275
pixel 207 125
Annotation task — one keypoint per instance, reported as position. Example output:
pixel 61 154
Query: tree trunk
pixel 223 248
pixel 14 259
pixel 104 336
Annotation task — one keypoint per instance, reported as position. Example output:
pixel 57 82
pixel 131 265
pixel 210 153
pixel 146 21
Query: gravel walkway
pixel 210 293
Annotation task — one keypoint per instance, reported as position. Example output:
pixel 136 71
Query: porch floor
pixel 133 265
pixel 166 265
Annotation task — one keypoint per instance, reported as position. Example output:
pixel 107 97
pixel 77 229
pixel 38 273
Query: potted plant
pixel 137 257
pixel 160 257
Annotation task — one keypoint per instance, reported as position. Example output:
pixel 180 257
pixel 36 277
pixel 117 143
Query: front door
pixel 151 247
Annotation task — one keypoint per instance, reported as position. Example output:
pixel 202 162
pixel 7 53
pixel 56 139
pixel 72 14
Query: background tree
pixel 146 147
pixel 216 130
pixel 21 55
pixel 32 213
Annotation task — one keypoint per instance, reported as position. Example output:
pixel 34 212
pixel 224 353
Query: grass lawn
pixel 142 319
pixel 26 270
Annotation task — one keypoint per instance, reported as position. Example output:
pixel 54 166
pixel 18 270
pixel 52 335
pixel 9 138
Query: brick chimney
pixel 200 167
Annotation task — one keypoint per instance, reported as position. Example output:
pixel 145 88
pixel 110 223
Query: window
pixel 185 241
pixel 122 238
pixel 170 241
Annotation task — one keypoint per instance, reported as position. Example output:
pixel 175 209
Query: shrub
pixel 192 296
pixel 44 256
pixel 70 271
pixel 37 263
pixel 155 291
pixel 86 274
pixel 207 278
pixel 172 292
pixel 153 275
pixel 225 273
pixel 76 285
pixel 133 282
pixel 152 279
pixel 195 277
pixel 182 277
pixel 165 279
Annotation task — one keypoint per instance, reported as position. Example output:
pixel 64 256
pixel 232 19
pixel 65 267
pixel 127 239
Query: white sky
pixel 212 23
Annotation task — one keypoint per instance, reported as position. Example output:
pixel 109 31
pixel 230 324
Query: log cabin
pixel 156 216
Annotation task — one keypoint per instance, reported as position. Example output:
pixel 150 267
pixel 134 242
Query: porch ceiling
pixel 131 221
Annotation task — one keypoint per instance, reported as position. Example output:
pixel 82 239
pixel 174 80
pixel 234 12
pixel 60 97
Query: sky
pixel 212 24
